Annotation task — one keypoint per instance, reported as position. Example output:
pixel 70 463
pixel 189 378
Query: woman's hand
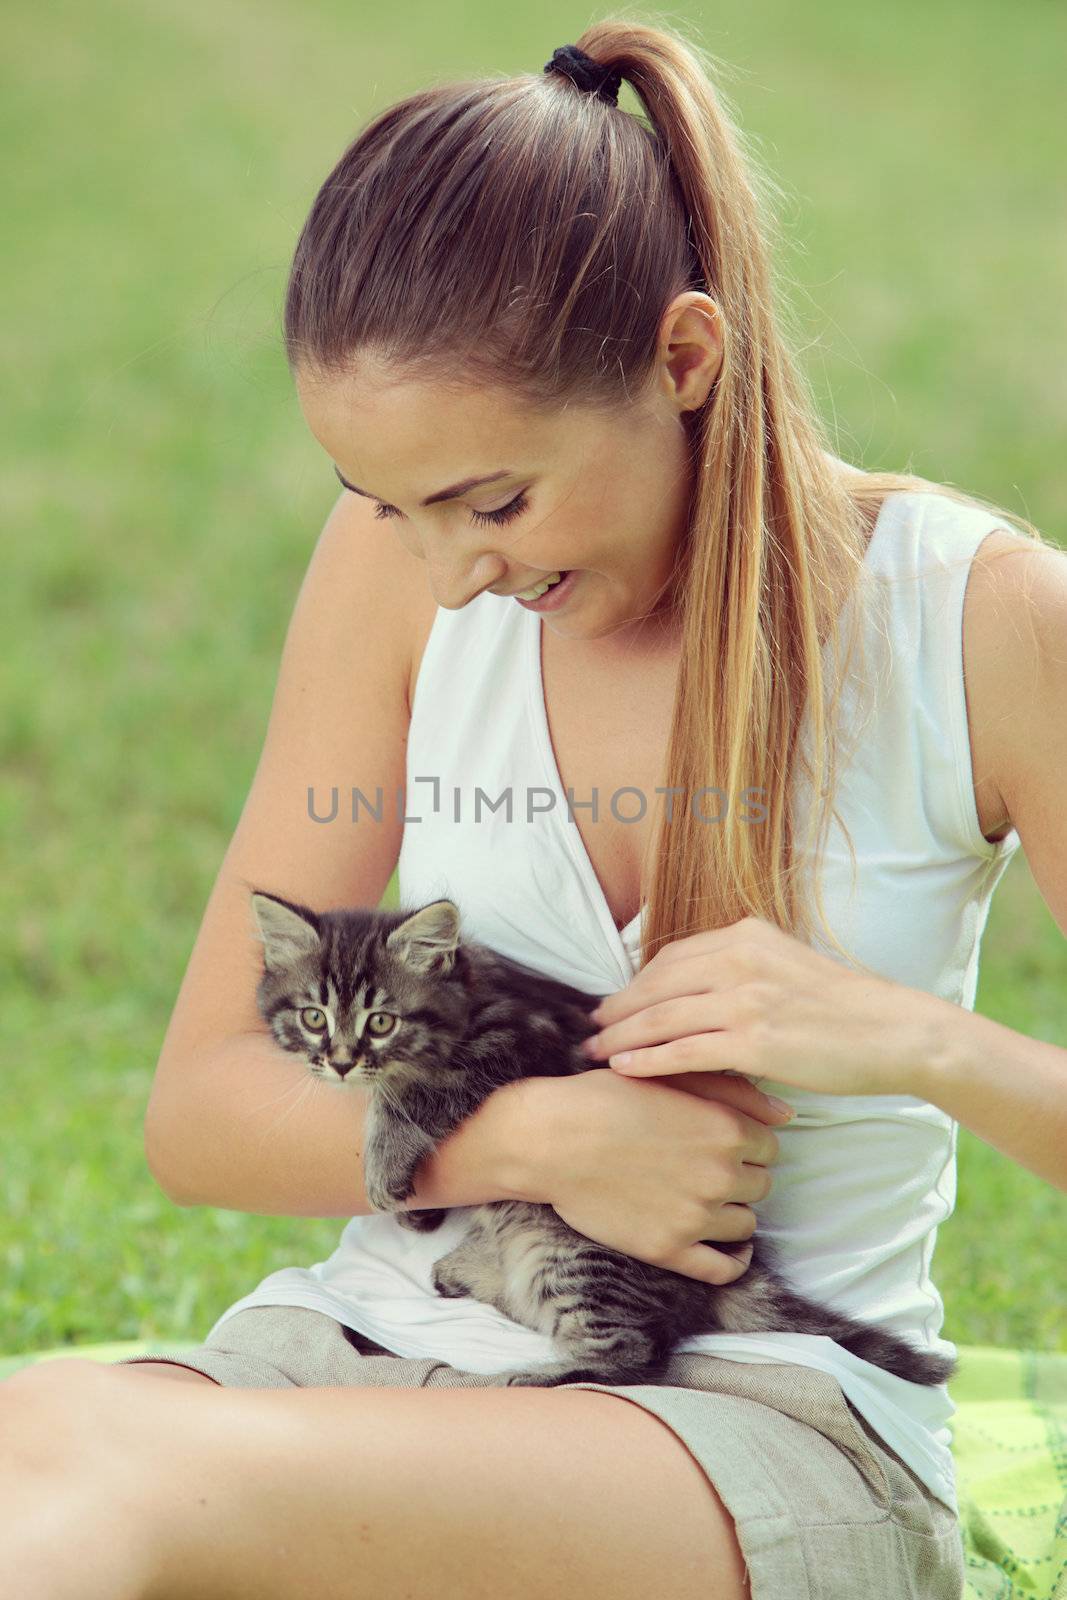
pixel 751 998
pixel 651 1169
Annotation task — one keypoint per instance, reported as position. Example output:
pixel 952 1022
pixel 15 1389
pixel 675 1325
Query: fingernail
pixel 780 1105
pixel 745 1255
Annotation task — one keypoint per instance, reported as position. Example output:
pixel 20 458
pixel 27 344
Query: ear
pixel 288 932
pixel 427 940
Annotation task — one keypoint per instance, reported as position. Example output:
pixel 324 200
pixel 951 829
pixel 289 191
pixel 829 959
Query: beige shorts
pixel 824 1509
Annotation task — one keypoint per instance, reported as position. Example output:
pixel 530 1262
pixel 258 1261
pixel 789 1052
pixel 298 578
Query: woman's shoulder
pixel 1015 665
pixel 420 609
pixel 398 577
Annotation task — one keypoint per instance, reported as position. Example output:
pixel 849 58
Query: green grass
pixel 161 497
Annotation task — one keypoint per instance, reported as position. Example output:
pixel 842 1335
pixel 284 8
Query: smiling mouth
pixel 535 590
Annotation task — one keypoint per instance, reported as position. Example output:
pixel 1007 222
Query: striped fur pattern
pixel 431 1024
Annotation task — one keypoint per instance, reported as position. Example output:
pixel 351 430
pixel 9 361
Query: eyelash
pixel 514 508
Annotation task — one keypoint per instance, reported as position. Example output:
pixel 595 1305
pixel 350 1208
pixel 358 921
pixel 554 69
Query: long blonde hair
pixel 520 231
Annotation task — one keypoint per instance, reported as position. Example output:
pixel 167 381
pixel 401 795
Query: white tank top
pixel 862 1182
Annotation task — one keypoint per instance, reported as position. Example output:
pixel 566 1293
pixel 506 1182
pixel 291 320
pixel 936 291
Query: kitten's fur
pixel 465 1021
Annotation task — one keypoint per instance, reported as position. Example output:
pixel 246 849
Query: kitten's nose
pixel 342 1064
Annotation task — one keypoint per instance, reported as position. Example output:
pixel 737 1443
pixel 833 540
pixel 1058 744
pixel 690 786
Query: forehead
pixel 417 435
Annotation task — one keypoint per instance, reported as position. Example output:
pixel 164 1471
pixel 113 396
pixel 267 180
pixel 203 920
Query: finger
pixel 692 1052
pixel 761 1143
pixel 685 976
pixel 702 963
pixel 708 1265
pixel 731 1088
pixel 758 1144
pixel 735 1223
pixel 658 1021
pixel 748 1184
pixel 656 1061
pixel 753 1182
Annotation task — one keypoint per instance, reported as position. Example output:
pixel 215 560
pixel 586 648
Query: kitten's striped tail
pixel 872 1344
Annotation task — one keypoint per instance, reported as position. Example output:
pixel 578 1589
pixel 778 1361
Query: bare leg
pixel 71 1526
pixel 397 1494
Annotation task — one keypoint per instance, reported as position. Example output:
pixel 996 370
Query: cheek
pixel 409 540
pixel 614 514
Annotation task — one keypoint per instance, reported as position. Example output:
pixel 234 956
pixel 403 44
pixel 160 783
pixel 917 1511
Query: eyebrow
pixel 451 493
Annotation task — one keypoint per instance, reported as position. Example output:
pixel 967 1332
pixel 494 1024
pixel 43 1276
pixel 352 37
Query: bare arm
pixel 233 1120
pixel 1008 1088
pixel 280 1142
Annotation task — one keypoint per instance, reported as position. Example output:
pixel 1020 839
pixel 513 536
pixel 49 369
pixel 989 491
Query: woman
pixel 539 338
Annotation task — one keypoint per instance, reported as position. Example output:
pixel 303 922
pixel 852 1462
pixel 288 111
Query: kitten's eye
pixel 313 1019
pixel 379 1023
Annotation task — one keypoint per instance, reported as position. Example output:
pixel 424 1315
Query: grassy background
pixel 162 497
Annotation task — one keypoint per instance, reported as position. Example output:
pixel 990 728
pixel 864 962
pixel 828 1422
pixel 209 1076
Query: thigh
pixel 388 1494
pixel 394 1494
pixel 489 1490
pixel 819 1507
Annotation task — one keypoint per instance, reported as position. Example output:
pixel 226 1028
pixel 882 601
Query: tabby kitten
pixel 432 1024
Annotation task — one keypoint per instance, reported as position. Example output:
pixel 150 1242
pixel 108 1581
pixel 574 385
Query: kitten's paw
pixel 398 1180
pixel 421 1221
pixel 550 1377
pixel 447 1286
pixel 387 1191
pixel 537 1380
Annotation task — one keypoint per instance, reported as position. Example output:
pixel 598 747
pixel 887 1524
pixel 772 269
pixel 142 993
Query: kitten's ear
pixel 427 940
pixel 288 932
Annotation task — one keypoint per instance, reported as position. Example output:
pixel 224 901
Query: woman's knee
pixel 62 1416
pixel 77 1513
pixel 60 1375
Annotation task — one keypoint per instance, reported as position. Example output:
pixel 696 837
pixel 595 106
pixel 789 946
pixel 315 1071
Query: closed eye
pixel 514 508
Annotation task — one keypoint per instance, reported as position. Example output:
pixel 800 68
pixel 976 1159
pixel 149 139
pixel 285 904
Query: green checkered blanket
pixel 1009 1444
pixel 1010 1448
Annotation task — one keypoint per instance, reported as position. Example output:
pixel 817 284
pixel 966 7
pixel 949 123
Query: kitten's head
pixel 358 992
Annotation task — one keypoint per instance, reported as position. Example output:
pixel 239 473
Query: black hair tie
pixel 585 73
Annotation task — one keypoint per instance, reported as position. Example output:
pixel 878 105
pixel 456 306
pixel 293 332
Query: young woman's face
pixel 577 491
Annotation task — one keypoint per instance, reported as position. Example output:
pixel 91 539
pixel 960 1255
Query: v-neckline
pixel 536 684
pixel 572 834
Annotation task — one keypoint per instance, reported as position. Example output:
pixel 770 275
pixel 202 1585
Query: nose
pixel 456 577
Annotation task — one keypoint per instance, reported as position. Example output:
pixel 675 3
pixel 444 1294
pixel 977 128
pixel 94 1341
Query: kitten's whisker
pixel 308 1085
pixel 278 1098
pixel 391 1099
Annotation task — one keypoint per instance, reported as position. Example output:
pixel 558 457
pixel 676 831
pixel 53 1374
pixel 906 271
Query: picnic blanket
pixel 1009 1443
